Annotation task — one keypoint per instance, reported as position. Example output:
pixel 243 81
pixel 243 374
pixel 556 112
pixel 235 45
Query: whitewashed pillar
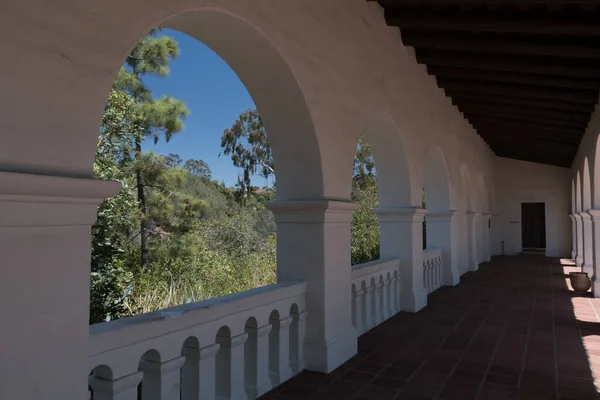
pixel 579 225
pixel 442 233
pixel 573 236
pixel 261 363
pixel 124 388
pixel 595 219
pixel 313 245
pixel 402 237
pixel 45 256
pixel 162 379
pixel 207 371
pixel 588 244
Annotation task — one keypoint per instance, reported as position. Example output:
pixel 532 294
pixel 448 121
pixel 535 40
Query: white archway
pixel 579 220
pixel 393 172
pixel 586 220
pixel 441 223
pixel 469 203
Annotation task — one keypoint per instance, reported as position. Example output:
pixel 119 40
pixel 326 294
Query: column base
pixel 579 261
pixel 588 268
pixel 474 267
pixel 325 357
pixel 452 280
pixel 415 301
pixel 573 254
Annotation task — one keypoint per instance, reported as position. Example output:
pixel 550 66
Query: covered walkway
pixel 512 330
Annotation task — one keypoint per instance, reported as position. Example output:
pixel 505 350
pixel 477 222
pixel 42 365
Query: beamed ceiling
pixel 525 74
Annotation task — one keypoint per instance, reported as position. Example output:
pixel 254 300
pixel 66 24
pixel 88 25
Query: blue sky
pixel 215 96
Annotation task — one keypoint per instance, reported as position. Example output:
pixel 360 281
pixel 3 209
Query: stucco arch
pixel 586 200
pixel 73 122
pixel 436 181
pixel 393 172
pixel 578 203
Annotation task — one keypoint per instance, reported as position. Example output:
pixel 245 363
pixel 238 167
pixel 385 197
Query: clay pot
pixel 580 281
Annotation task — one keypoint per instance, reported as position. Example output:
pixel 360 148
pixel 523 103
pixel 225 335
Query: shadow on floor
pixel 512 330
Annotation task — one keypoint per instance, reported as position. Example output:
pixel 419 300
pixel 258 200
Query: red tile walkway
pixel 512 330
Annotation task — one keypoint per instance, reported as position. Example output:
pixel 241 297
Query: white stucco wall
pixel 525 182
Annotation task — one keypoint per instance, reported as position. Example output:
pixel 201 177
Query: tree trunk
pixel 144 234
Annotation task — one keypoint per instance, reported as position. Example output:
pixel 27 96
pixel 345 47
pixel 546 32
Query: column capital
pixel 441 216
pixel 400 214
pixel 115 386
pixel 40 200
pixel 311 211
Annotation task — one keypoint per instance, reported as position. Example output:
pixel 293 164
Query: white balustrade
pixel 233 347
pixel 432 269
pixel 375 293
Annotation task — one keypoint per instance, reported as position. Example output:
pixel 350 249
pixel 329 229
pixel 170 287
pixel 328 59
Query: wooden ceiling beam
pixel 484 20
pixel 514 90
pixel 458 95
pixel 506 109
pixel 478 121
pixel 564 68
pixel 520 137
pixel 468 112
pixel 498 44
pixel 511 77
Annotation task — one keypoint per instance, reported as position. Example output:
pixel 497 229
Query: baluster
pixel 164 379
pixel 285 372
pixel 440 272
pixel 368 308
pixel 396 293
pixel 389 290
pixel 425 276
pixel 124 388
pixel 299 366
pixel 380 312
pixel 207 371
pixel 359 311
pixel 261 335
pixel 238 391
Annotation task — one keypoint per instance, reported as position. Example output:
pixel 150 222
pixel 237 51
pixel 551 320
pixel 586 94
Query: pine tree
pixel 160 117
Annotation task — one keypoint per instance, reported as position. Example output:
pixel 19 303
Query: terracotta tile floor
pixel 512 330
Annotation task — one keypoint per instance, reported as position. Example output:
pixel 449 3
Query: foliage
pixel 247 144
pixel 198 168
pixel 365 225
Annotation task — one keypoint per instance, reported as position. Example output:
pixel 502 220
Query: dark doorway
pixel 533 226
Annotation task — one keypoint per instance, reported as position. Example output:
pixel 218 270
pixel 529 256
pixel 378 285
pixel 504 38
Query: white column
pixel 162 379
pixel 574 236
pixel 124 388
pixel 579 226
pixel 441 228
pixel 402 237
pixel 588 245
pixel 45 252
pixel 207 372
pixel 263 381
pixel 313 245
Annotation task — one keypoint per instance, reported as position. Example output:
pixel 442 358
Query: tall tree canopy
pixel 159 117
